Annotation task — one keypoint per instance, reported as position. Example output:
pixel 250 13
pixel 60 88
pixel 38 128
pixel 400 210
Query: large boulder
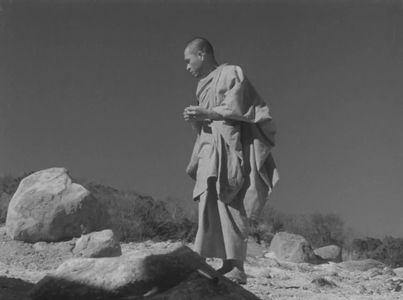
pixel 329 253
pixel 133 275
pixel 48 206
pixel 292 247
pixel 98 244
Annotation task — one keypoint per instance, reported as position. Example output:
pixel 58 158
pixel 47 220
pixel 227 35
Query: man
pixel 231 161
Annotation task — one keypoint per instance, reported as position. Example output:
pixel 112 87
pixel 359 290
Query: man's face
pixel 194 61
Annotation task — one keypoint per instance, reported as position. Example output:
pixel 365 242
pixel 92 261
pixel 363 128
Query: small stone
pixel 329 253
pixel 40 246
pixel 98 244
pixel 362 289
pixel 265 274
pixel 398 272
pixel 292 248
pixel 323 282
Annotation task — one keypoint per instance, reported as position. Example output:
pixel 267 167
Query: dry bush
pixel 394 251
pixel 4 201
pixel 389 250
pixel 319 229
pixel 135 217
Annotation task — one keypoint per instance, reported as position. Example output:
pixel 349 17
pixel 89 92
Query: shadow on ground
pixel 14 289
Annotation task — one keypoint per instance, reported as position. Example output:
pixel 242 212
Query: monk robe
pixel 231 162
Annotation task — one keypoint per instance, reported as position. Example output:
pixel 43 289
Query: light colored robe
pixel 237 150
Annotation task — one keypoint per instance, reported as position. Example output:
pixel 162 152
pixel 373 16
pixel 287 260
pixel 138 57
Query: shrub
pixel 319 229
pixel 363 248
pixel 394 251
pixel 135 217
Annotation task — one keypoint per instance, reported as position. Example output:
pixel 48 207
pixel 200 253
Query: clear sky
pixel 100 89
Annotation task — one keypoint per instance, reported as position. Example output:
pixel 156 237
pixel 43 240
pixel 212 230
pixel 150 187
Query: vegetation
pixel 319 229
pixel 135 217
pixel 389 250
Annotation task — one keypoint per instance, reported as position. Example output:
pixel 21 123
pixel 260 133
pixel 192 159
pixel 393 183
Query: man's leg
pixel 222 233
pixel 209 241
pixel 234 224
pixel 227 266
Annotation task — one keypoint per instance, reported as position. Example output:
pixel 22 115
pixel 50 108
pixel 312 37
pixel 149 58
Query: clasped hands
pixel 196 113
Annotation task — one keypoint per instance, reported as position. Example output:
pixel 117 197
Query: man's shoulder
pixel 228 68
pixel 232 72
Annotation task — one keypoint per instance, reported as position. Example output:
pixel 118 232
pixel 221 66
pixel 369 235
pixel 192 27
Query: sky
pixel 99 88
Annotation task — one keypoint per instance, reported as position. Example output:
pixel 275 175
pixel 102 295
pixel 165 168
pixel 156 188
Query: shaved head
pixel 199 57
pixel 200 44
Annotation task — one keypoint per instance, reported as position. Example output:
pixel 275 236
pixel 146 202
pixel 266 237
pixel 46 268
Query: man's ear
pixel 201 54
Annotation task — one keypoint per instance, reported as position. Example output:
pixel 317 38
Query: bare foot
pixel 236 275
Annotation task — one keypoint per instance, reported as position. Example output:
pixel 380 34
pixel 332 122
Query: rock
pixel 329 253
pixel 323 282
pixel 361 265
pixel 398 272
pixel 198 288
pixel 132 276
pixel 394 284
pixel 362 290
pixel 265 273
pixel 387 271
pixel 292 247
pixel 47 206
pixel 270 255
pixel 98 244
pixel 40 246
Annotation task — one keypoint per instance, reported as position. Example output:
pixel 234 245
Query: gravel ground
pixel 22 265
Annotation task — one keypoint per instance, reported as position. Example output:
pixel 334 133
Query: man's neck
pixel 210 67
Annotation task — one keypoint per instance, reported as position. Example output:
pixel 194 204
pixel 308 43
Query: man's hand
pixel 198 113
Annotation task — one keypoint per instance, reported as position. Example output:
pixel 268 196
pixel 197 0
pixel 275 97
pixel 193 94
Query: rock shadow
pixel 14 289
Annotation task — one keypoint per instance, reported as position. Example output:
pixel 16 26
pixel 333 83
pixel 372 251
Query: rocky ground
pixel 22 265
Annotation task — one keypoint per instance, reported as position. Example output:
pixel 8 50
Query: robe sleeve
pixel 240 100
